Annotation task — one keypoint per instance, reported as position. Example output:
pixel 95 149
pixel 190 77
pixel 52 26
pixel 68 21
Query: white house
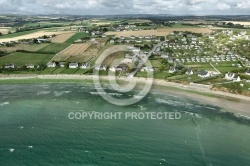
pixel 85 66
pixel 73 65
pixel 237 78
pixel 204 74
pixel 248 72
pixel 115 68
pixel 51 64
pixel 112 69
pixel 147 69
pixel 9 66
pixel 30 66
pixel 100 68
pixel 62 64
pixel 211 37
pixel 172 70
pixel 190 72
pixel 230 76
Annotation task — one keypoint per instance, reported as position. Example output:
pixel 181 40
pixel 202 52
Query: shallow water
pixel 36 130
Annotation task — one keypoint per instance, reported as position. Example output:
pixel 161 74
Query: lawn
pixel 156 63
pixel 204 66
pixel 76 37
pixel 227 69
pixel 162 75
pixel 81 71
pixel 26 47
pixel 58 70
pixel 22 72
pixel 69 71
pixel 20 59
pixel 48 71
pixel 54 48
pixel 178 77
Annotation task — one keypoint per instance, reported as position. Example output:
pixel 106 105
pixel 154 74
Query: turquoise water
pixel 35 130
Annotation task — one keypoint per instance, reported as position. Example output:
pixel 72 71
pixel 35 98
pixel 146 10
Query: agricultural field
pixel 203 66
pixel 62 38
pixel 54 48
pixel 13 35
pixel 26 47
pixel 239 22
pixel 20 59
pixel 28 35
pixel 4 31
pixel 74 51
pixel 77 36
pixel 136 21
pixel 46 23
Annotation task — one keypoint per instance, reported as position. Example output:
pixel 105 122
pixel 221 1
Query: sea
pixel 36 130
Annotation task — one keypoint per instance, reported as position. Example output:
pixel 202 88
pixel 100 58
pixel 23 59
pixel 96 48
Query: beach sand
pixel 237 104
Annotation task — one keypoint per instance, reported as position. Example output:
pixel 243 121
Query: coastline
pixel 233 103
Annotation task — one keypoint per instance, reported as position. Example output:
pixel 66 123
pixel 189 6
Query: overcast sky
pixel 102 7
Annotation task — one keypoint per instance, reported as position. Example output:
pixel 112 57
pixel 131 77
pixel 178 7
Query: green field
pixel 54 48
pixel 156 63
pixel 46 24
pixel 76 37
pixel 69 71
pixel 58 70
pixel 200 66
pixel 20 59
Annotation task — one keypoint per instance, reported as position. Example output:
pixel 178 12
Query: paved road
pixel 145 59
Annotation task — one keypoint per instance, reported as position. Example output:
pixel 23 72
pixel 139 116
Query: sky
pixel 115 7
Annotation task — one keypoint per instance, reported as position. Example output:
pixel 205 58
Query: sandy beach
pixel 229 102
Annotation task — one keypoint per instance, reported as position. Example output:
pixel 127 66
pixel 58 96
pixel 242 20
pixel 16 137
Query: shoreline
pixel 233 103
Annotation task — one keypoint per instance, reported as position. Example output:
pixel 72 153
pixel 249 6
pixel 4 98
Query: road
pixel 145 59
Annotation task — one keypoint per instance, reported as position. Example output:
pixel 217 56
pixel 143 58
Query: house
pixel 85 66
pixel 73 65
pixel 189 72
pixel 229 76
pixel 112 69
pixel 248 72
pixel 43 40
pixel 236 78
pixel 172 69
pixel 51 64
pixel 211 37
pixel 9 66
pixel 204 74
pixel 136 50
pixel 100 68
pixel 147 69
pixel 62 64
pixel 248 63
pixel 118 68
pixel 170 60
pixel 30 66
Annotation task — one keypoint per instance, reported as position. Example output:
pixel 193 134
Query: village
pixel 195 55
